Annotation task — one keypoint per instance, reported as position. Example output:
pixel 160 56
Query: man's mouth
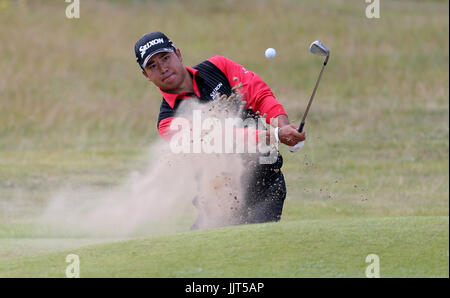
pixel 167 78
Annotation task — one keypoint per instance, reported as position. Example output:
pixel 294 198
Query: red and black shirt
pixel 220 74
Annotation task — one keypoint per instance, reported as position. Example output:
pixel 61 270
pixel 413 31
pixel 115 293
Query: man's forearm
pixel 280 121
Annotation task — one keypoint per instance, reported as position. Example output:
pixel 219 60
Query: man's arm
pixel 260 97
pixel 164 129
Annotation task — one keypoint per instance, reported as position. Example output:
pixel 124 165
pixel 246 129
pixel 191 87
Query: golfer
pixel 162 64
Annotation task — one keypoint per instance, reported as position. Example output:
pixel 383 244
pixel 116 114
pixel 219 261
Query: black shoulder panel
pixel 211 80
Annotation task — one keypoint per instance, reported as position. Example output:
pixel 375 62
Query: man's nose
pixel 162 67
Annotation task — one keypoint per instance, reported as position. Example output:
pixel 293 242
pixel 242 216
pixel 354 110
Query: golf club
pixel 320 49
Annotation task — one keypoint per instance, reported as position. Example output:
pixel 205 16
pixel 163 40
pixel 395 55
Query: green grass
pixel 75 112
pixel 406 246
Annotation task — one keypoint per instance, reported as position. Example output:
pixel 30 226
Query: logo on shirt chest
pixel 214 92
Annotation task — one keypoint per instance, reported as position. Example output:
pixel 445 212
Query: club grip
pixel 300 129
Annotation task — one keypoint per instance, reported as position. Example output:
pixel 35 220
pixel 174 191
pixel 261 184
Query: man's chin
pixel 171 87
pixel 170 80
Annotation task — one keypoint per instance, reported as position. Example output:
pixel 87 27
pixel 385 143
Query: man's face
pixel 166 71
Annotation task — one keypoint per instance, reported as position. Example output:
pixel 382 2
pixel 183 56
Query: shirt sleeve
pixel 164 129
pixel 256 92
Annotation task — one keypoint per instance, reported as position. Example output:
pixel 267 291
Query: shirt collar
pixel 171 98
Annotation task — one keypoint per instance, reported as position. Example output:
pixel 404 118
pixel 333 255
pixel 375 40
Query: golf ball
pixel 270 53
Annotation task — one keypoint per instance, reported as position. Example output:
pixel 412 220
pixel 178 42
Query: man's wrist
pixel 277 138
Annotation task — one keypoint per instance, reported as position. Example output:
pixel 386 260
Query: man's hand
pixel 289 135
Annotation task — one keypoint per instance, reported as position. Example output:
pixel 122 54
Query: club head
pixel 319 48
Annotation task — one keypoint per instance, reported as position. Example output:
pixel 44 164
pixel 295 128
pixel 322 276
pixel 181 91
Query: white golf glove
pixel 297 146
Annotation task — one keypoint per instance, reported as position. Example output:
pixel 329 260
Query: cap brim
pixel 154 53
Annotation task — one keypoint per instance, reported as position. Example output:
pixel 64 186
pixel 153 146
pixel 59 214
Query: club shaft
pixel 302 124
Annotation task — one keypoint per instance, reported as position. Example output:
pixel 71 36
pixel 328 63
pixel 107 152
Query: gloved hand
pixel 297 146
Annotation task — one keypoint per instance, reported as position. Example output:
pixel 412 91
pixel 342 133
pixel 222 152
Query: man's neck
pixel 186 85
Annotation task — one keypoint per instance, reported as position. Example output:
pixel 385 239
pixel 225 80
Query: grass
pixel 406 246
pixel 74 111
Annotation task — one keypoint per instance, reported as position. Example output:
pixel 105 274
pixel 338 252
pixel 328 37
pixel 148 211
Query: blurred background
pixel 75 109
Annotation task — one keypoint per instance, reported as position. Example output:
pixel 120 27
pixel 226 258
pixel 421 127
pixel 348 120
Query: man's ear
pixel 145 75
pixel 178 52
